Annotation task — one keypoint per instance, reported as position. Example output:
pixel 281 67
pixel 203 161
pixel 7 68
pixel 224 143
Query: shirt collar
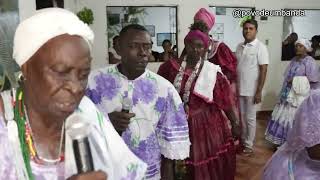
pixel 252 43
pixel 125 77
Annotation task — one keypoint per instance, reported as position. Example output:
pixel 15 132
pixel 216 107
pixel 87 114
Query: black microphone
pixel 126 107
pixel 79 129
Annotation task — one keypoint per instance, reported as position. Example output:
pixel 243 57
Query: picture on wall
pixel 151 30
pixel 218 36
pixel 219 28
pixel 114 19
pixel 221 11
pixel 162 36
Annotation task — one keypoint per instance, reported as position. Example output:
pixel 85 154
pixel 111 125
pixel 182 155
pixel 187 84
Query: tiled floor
pixel 250 168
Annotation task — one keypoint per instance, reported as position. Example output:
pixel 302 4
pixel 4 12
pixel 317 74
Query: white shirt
pixel 159 125
pixel 250 56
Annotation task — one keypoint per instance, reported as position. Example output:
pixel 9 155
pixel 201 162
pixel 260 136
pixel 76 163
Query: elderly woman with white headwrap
pixel 53 49
pixel 301 75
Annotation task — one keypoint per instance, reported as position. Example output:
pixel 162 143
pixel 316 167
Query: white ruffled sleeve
pixel 172 129
pixel 110 153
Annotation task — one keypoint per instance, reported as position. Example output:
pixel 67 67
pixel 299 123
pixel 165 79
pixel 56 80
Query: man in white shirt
pixel 253 60
pixel 144 108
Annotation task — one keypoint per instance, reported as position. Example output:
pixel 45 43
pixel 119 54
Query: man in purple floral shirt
pixel 155 128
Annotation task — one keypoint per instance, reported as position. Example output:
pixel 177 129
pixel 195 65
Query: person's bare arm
pixel 167 169
pixel 235 126
pixel 262 77
pixel 97 175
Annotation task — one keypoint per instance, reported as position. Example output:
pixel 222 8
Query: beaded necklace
pixel 32 145
pixel 178 82
pixel 25 135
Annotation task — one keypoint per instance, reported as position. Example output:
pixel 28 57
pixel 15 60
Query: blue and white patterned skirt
pixel 281 121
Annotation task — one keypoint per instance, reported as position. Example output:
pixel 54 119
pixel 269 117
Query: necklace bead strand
pixel 32 145
pixel 26 138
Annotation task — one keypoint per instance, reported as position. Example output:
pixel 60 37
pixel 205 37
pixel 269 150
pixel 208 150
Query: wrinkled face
pixel 314 152
pixel 135 50
pixel 300 49
pixel 166 46
pixel 195 49
pixel 56 76
pixel 249 32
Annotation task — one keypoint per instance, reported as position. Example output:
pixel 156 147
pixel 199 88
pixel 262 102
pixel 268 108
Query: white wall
pixel 185 12
pixel 305 26
pixel 270 30
pixel 232 31
pixel 26 8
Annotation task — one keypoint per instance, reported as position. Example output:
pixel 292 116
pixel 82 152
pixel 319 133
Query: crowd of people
pixel 288 47
pixel 144 125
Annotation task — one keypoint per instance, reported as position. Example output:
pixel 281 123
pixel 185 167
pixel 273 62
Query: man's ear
pixel 120 47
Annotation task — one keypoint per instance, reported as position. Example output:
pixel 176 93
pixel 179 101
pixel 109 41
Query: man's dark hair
pixel 294 34
pixel 132 27
pixel 253 22
pixel 166 40
pixel 316 38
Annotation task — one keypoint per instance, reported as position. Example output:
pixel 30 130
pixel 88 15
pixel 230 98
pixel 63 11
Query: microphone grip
pixel 125 110
pixel 82 155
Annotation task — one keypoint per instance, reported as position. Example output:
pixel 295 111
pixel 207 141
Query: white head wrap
pixel 306 43
pixel 46 24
